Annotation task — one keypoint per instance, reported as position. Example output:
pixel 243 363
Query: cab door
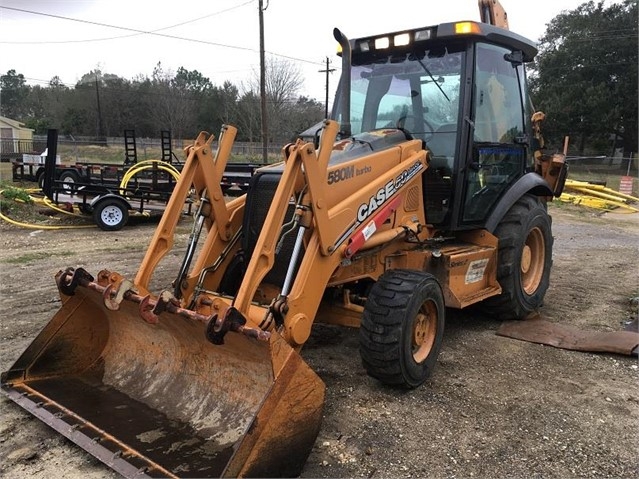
pixel 499 153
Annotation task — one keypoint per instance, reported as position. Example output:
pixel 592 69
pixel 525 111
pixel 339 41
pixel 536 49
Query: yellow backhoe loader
pixel 425 191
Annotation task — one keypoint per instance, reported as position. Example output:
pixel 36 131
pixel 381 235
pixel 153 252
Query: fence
pixel 13 149
pixel 112 149
pixel 605 170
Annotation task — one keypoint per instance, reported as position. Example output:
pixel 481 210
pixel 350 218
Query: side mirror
pixel 515 58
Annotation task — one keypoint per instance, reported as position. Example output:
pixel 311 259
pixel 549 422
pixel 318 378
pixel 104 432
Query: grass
pixel 115 154
pixel 36 256
pixel 611 177
pixel 13 199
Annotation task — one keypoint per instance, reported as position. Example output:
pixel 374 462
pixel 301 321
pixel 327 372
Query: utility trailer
pixel 107 193
pixel 32 167
pixel 110 194
pixel 237 177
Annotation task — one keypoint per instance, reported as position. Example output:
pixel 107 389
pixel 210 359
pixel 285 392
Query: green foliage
pixel 16 194
pixel 14 93
pixel 585 76
pixel 39 125
pixel 184 102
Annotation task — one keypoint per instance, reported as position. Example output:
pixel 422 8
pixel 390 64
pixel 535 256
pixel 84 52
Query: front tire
pixel 524 260
pixel 402 328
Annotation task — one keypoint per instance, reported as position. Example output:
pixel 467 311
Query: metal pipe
pixel 286 288
pixel 345 83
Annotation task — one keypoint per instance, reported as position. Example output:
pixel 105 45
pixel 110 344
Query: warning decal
pixel 476 270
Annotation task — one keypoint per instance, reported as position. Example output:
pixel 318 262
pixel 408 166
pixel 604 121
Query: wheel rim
pixel 533 259
pixel 67 182
pixel 111 215
pixel 424 331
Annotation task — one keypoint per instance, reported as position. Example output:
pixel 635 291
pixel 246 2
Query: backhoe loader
pixel 425 190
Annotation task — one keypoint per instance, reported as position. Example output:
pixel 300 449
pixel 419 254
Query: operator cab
pixel 461 89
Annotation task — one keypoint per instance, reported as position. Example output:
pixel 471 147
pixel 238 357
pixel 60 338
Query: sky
pixel 219 38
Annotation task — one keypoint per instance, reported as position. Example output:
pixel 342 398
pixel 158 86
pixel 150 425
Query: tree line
pixel 185 102
pixel 584 78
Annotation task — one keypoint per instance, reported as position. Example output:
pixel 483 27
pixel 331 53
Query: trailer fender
pixel 530 183
pixel 97 199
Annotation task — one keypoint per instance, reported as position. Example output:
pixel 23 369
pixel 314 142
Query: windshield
pixel 418 92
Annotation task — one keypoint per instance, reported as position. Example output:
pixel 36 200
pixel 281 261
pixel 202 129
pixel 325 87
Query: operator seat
pixel 437 180
pixel 442 146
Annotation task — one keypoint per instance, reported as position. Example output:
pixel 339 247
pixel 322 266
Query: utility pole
pixel 263 86
pixel 97 96
pixel 327 70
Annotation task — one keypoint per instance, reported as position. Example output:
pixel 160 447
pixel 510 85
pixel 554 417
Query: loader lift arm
pixel 203 171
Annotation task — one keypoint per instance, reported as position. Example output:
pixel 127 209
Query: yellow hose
pixel 34 226
pixel 41 227
pixel 597 203
pixel 47 202
pixel 145 165
pixel 163 163
pixel 593 186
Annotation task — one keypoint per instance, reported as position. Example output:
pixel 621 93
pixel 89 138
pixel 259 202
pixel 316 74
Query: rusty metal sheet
pixel 567 337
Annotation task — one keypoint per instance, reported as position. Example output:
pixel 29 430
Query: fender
pixel 529 183
pixel 97 199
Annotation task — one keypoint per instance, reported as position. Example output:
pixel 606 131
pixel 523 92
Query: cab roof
pixel 408 40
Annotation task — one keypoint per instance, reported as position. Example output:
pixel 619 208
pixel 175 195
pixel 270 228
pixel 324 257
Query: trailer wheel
pixel 69 177
pixel 524 260
pixel 402 328
pixel 111 214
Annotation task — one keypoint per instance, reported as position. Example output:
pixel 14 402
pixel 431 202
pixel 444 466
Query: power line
pixel 57 42
pixel 155 33
pixel 592 39
pixel 99 24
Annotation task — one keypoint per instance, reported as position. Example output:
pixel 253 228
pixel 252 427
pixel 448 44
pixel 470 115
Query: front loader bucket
pixel 160 400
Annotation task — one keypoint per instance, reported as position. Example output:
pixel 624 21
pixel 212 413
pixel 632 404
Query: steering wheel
pixel 425 135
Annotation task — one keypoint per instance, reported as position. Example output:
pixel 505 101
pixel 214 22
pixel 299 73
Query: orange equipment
pixel 420 193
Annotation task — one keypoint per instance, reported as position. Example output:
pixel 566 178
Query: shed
pixel 15 139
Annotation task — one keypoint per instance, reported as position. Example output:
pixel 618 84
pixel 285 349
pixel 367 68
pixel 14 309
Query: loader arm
pixel 343 227
pixel 204 172
pixel 329 227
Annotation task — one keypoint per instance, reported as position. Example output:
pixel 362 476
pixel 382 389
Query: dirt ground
pixel 494 407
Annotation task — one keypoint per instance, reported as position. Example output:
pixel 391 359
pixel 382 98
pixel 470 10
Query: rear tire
pixel 40 179
pixel 524 260
pixel 111 214
pixel 402 328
